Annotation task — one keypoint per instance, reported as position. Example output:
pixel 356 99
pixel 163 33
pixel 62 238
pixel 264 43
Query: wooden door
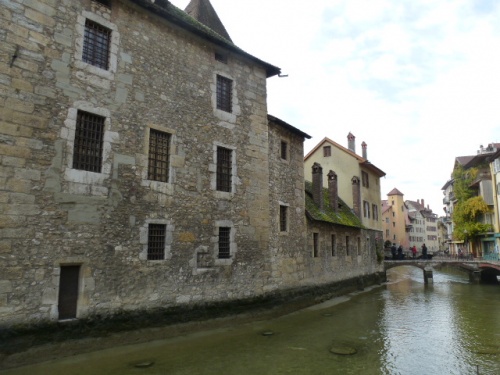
pixel 68 291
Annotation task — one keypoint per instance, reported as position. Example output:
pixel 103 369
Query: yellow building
pixel 358 179
pixel 396 220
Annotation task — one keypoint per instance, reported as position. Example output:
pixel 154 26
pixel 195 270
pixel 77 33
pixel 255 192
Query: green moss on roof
pixel 343 216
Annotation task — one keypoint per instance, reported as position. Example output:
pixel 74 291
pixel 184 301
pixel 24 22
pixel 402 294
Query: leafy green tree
pixel 469 208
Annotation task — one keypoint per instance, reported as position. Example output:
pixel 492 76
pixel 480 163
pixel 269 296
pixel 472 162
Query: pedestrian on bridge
pixel 393 251
pixel 400 252
pixel 414 251
pixel 424 251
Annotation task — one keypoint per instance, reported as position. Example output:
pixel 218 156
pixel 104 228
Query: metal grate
pixel 159 154
pixel 224 169
pixel 284 150
pixel 96 44
pixel 224 93
pixel 283 218
pixel 87 153
pixel 156 241
pixel 224 243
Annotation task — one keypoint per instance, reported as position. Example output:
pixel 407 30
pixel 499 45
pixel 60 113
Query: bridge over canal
pixel 478 270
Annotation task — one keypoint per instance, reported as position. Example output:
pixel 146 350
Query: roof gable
pixel 362 161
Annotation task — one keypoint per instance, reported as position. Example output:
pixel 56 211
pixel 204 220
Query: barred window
pixel 224 93
pixel 156 241
pixel 96 45
pixel 224 242
pixel 159 155
pixel 224 169
pixel 284 150
pixel 87 152
pixel 283 218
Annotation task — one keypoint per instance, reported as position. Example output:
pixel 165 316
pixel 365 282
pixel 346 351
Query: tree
pixel 469 208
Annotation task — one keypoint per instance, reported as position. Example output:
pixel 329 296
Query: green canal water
pixel 402 327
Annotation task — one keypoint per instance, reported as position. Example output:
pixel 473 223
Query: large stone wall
pixel 160 77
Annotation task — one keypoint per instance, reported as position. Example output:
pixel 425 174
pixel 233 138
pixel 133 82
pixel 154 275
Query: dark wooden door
pixel 68 291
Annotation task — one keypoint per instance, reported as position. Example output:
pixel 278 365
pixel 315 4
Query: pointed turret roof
pixel 395 192
pixel 204 12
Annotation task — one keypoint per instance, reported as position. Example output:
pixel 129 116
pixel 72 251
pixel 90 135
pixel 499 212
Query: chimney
pixel 333 192
pixel 356 196
pixel 317 185
pixel 351 142
pixel 423 204
pixel 363 147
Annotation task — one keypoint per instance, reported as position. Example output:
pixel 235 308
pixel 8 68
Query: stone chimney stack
pixel 351 142
pixel 317 185
pixel 356 196
pixel 363 147
pixel 423 204
pixel 333 191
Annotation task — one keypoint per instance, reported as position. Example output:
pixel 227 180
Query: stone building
pixel 140 168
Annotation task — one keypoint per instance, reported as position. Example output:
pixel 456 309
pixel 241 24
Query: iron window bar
pixel 224 93
pixel 156 241
pixel 96 45
pixel 87 153
pixel 159 155
pixel 224 243
pixel 224 169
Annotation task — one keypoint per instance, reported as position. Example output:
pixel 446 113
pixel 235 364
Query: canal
pixel 402 327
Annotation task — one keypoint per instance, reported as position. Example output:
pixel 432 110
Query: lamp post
pixel 466 242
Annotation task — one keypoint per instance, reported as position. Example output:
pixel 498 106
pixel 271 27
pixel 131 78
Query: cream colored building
pixel 358 179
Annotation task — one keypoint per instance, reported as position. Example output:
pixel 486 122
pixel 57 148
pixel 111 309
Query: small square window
pixel 88 145
pixel 221 57
pixel 224 94
pixel 96 45
pixel 156 241
pixel 106 3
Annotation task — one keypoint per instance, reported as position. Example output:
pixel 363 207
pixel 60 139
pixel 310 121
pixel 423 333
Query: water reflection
pixel 404 327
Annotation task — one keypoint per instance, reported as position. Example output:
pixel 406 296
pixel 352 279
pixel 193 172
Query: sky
pixel 417 80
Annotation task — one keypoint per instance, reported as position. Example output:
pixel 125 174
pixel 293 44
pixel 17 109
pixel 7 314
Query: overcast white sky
pixel 417 80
